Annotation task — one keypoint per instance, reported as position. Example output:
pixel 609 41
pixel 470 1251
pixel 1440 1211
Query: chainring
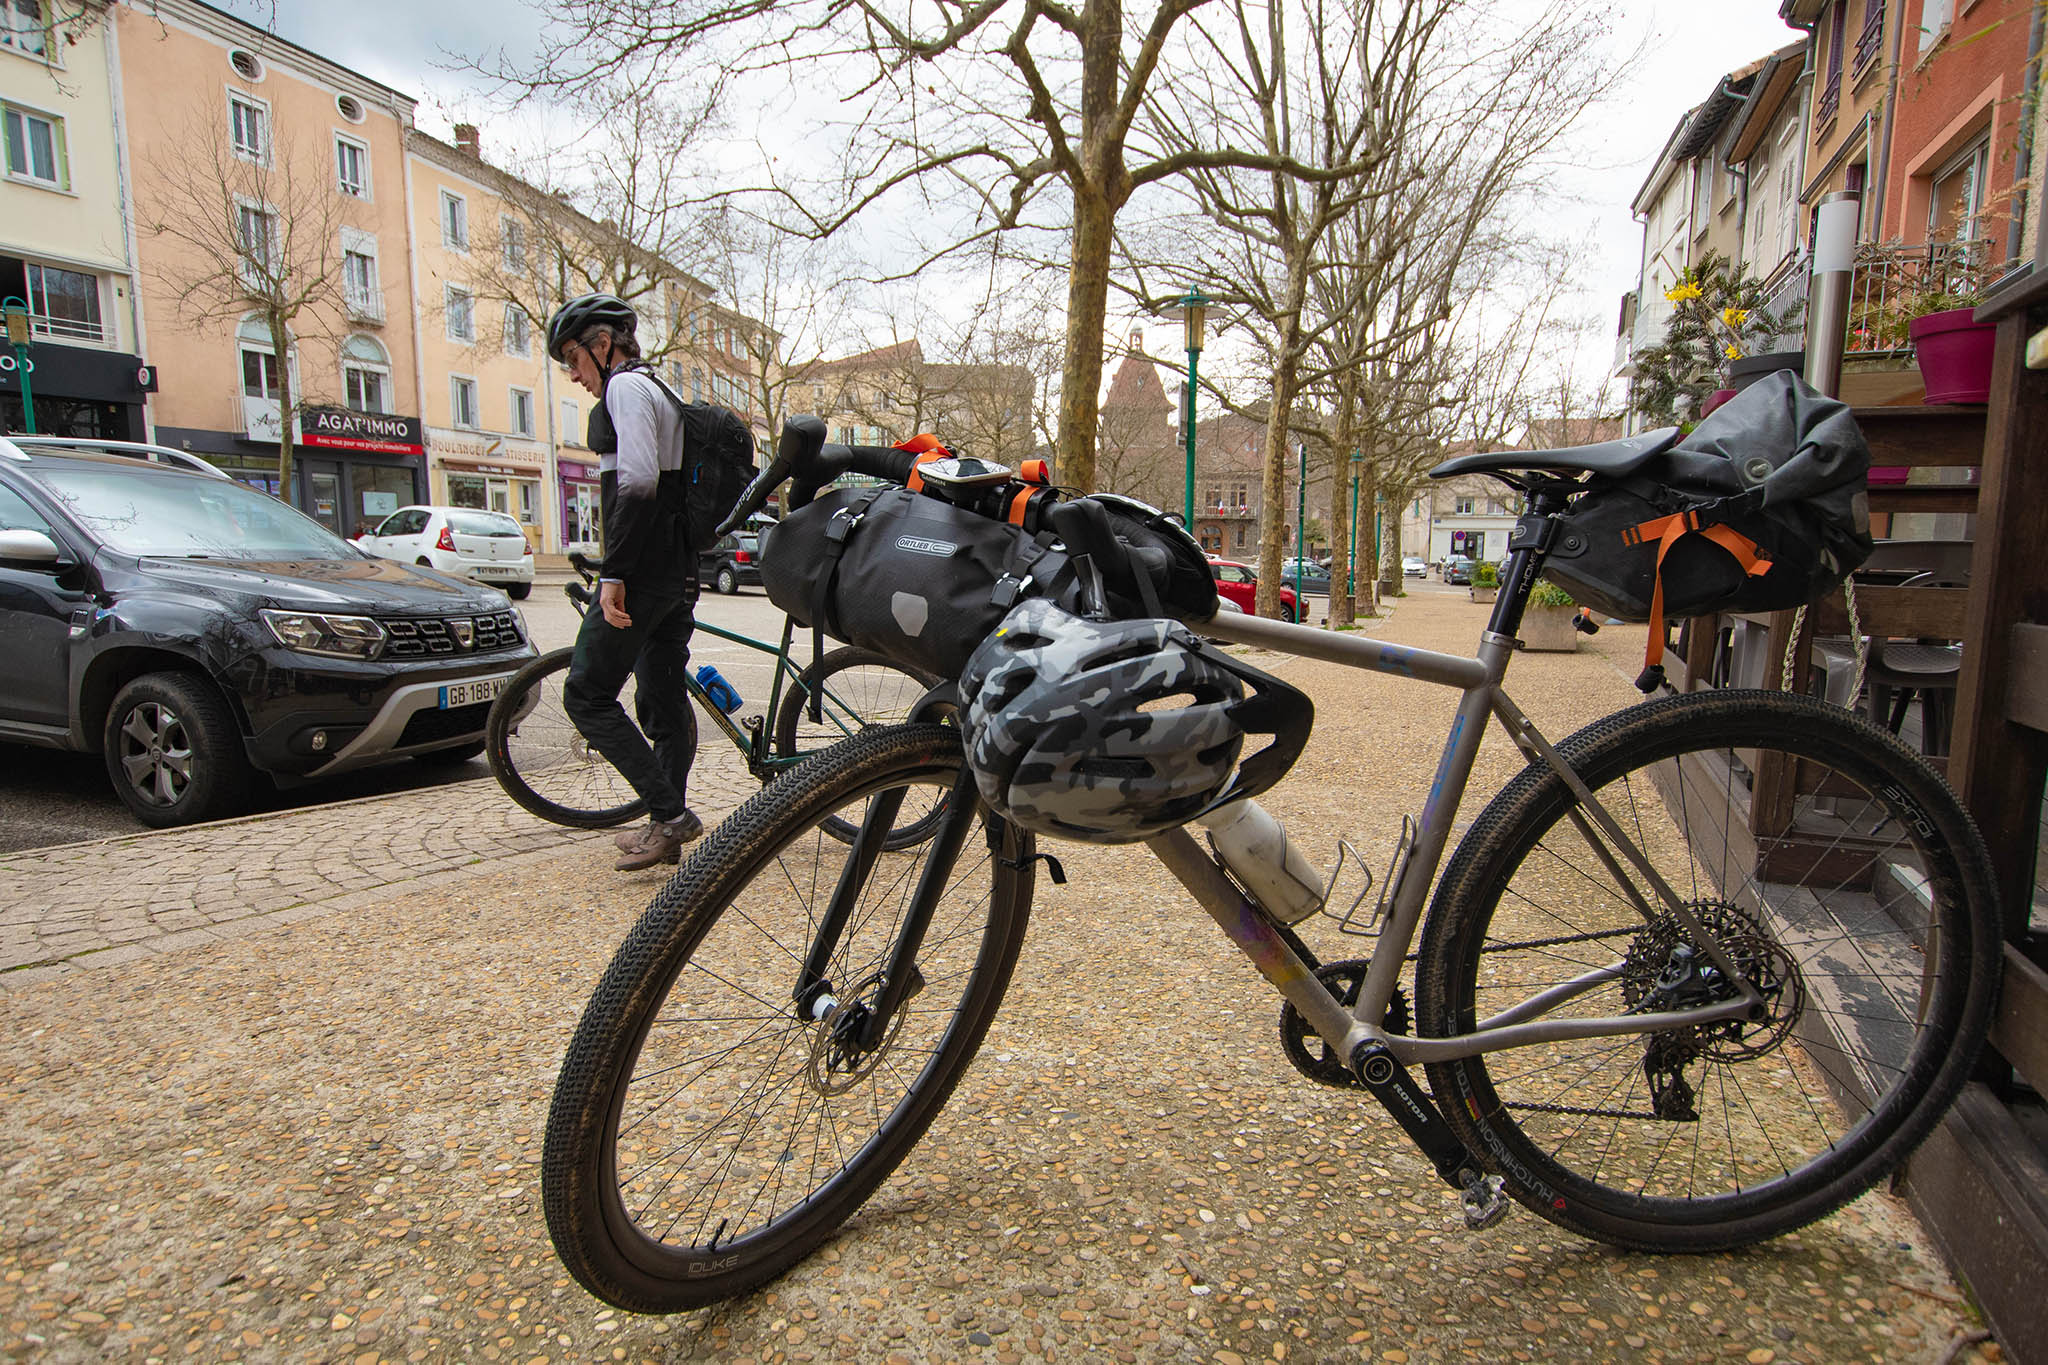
pixel 1305 1048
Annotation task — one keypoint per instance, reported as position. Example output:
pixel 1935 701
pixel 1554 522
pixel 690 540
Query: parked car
pixel 1239 584
pixel 465 541
pixel 1458 569
pixel 1412 566
pixel 197 632
pixel 735 560
pixel 1315 576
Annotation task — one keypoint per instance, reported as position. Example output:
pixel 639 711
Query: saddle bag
pixel 1762 508
pixel 921 581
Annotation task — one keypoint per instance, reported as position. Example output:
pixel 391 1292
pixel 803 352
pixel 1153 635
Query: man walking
pixel 647 590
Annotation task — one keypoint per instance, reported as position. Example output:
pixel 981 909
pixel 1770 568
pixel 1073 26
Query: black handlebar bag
pixel 1763 507
pixel 922 582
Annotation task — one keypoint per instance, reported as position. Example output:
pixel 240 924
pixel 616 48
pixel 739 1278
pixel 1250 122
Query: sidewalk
pixel 275 1090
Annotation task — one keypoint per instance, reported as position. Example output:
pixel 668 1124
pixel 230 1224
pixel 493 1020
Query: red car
pixel 1239 584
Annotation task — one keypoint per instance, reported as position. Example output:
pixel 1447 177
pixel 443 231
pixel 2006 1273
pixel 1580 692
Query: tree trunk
pixel 1087 303
pixel 280 344
pixel 1340 540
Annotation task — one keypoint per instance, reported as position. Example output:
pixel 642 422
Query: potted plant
pixel 1717 316
pixel 1547 624
pixel 1485 582
pixel 1952 348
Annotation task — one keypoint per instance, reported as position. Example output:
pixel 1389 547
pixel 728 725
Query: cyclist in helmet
pixel 647 593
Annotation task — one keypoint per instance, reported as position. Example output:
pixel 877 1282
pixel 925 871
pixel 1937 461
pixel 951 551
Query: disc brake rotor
pixel 839 1061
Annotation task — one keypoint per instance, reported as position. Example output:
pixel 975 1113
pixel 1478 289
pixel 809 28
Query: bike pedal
pixel 1484 1201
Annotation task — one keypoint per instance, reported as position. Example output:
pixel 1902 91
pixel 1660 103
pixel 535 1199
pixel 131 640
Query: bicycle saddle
pixel 1613 458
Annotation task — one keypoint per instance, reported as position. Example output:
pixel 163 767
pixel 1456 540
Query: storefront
pixel 77 391
pixel 580 520
pixel 490 476
pixel 356 468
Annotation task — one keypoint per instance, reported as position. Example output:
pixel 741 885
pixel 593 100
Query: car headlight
pixel 343 637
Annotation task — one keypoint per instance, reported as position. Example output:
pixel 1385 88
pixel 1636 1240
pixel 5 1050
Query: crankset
pixel 1304 1046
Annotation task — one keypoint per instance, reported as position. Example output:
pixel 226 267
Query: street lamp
pixel 16 311
pixel 1194 306
pixel 1351 577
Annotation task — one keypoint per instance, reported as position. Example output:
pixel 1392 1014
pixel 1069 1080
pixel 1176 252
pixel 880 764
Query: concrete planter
pixel 1480 594
pixel 1550 629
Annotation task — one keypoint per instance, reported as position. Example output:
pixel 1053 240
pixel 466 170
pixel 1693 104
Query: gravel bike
pixel 546 766
pixel 1701 973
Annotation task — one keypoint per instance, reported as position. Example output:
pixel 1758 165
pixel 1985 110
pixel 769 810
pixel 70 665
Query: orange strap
pixel 1035 471
pixel 1668 531
pixel 927 448
pixel 1020 504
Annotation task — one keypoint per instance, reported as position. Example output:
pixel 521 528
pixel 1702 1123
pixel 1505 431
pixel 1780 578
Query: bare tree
pixel 251 227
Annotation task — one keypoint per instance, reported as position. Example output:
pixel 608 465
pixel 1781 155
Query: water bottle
pixel 1256 849
pixel 723 694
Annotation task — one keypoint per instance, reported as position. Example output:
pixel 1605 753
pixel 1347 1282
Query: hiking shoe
pixel 658 841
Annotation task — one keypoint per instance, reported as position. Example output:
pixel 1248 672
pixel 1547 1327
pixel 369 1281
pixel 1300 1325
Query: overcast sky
pixel 1690 44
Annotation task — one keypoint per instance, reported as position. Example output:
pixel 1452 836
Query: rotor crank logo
pixel 918 545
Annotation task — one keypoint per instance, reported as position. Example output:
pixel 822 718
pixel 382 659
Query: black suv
pixel 195 631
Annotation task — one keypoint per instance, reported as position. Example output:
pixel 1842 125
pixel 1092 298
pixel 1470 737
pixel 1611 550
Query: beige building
pixel 65 250
pixel 231 130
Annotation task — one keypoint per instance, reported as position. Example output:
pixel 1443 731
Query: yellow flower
pixel 1734 317
pixel 1682 293
pixel 1732 352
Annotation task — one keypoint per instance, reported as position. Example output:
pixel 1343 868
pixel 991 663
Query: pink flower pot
pixel 1716 399
pixel 1954 353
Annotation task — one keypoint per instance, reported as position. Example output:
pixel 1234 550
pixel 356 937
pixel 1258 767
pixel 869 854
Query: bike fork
pixel 1374 1063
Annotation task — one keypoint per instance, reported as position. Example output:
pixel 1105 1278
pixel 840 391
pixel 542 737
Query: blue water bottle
pixel 723 694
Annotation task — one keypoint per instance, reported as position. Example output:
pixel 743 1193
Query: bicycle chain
pixel 1305 1048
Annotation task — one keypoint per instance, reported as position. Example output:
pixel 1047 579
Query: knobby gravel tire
pixel 1872 921
pixel 701 1140
pixel 542 762
pixel 857 688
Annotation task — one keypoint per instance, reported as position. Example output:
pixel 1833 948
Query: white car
pixel 1413 567
pixel 465 541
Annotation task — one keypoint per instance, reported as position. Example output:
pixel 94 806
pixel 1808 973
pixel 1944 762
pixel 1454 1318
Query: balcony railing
pixel 1871 41
pixel 1891 284
pixel 365 307
pixel 66 329
pixel 1830 101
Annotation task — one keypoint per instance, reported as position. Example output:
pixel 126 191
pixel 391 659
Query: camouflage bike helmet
pixel 579 314
pixel 1114 731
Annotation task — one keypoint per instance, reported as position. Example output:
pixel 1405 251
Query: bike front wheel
pixel 837 696
pixel 708 1130
pixel 1837 871
pixel 544 763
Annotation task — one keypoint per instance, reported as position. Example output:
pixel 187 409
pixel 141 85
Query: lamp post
pixel 16 311
pixel 1351 575
pixel 1194 306
pixel 1300 520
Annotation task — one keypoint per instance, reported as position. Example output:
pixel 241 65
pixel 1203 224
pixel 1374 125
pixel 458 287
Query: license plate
pixel 470 693
pixel 486 571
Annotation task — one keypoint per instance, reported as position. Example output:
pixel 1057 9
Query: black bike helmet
pixel 1114 731
pixel 576 317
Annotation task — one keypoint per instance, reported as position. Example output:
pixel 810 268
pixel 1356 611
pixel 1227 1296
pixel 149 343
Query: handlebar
pixel 803 456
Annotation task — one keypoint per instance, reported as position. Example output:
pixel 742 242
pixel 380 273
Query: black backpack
pixel 718 463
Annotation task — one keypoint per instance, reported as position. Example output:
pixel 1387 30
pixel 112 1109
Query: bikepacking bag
pixel 921 581
pixel 1764 507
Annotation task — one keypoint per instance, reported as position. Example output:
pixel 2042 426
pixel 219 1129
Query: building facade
pixel 66 255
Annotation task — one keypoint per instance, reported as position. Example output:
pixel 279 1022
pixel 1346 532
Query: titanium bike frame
pixel 1272 949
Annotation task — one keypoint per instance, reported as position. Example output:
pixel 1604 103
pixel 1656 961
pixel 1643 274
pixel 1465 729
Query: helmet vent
pixel 1172 701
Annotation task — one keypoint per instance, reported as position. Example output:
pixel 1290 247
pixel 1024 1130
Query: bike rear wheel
pixel 706 1133
pixel 541 760
pixel 855 688
pixel 1833 865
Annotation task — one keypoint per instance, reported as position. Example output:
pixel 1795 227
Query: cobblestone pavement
pixel 277 1090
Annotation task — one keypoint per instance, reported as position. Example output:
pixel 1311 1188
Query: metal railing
pixel 1893 283
pixel 67 329
pixel 1871 40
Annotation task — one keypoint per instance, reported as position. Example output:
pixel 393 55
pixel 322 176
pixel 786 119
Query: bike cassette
pixel 1306 1049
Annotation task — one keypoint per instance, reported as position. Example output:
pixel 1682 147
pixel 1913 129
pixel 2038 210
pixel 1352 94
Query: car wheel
pixel 449 758
pixel 728 580
pixel 424 562
pixel 173 751
pixel 518 593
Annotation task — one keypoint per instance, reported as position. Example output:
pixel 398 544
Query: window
pixel 697 386
pixel 359 283
pixel 257 227
pixel 522 412
pixel 366 375
pixel 512 244
pixel 349 107
pixel 249 127
pixel 352 167
pixel 64 303
pixel 1240 537
pixel 1934 18
pixel 259 374
pixel 35 148
pixel 1955 208
pixel 518 331
pixel 572 432
pixel 462 401
pixel 454 221
pixel 460 306
pixel 247 65
pixel 1463 507
pixel 21 27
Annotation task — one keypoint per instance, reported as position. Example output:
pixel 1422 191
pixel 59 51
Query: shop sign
pixel 342 429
